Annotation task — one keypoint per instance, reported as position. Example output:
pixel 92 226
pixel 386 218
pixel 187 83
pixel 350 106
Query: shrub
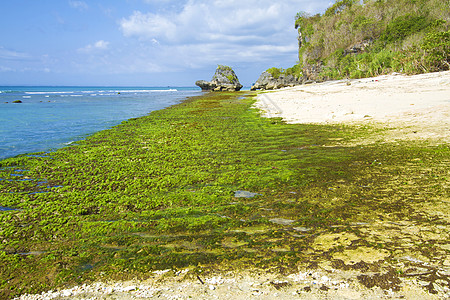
pixel 409 61
pixel 340 6
pixel 437 50
pixel 295 71
pixel 381 63
pixel 275 72
pixel 403 26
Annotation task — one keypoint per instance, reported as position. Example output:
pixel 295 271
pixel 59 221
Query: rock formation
pixel 267 82
pixel 358 47
pixel 312 70
pixel 223 80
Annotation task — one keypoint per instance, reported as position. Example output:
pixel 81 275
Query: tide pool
pixel 50 117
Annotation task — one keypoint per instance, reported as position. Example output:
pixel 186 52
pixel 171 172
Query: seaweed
pixel 162 192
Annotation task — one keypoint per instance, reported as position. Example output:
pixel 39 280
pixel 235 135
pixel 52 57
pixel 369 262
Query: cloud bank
pixel 202 32
pixel 148 42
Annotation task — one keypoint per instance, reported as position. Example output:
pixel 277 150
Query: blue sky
pixel 145 42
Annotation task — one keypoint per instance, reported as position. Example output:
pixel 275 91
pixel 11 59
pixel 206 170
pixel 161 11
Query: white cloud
pixel 7 54
pixel 6 69
pixel 200 19
pixel 99 45
pixel 233 24
pixel 199 34
pixel 81 5
pixel 148 26
pixel 202 34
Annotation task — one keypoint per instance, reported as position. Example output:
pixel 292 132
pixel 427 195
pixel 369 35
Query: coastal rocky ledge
pixel 223 80
pixel 267 82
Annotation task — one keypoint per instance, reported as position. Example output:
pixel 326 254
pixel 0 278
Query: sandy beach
pixel 412 106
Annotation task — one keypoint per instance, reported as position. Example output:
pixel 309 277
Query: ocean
pixel 51 117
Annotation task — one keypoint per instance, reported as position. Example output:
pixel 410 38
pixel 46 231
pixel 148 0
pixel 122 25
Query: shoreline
pixel 305 284
pixel 52 117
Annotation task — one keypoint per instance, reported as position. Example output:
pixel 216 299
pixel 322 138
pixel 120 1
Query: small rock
pixel 324 288
pixel 129 288
pixel 281 221
pixel 302 229
pixel 66 293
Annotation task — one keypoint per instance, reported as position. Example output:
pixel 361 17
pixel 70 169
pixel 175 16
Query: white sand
pixel 420 103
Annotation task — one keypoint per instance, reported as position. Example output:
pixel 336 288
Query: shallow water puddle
pixel 33 253
pixel 6 208
pixel 245 194
pixel 281 221
pixel 302 229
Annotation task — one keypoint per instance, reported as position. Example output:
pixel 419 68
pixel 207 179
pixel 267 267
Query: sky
pixel 145 42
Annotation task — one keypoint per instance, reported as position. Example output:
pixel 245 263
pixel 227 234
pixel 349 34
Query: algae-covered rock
pixel 268 82
pixel 223 80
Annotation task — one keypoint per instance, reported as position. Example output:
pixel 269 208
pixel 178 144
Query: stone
pixel 223 80
pixel 281 221
pixel 205 85
pixel 358 47
pixel 302 229
pixel 17 101
pixel 267 82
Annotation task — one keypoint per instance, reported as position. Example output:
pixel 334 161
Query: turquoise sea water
pixel 51 117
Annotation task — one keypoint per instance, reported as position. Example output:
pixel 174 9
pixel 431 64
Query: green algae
pixel 159 192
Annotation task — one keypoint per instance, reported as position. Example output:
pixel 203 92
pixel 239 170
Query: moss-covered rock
pixel 223 80
pixel 271 81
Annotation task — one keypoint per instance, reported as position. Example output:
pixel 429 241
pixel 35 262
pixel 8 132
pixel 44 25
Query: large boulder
pixel 267 82
pixel 223 80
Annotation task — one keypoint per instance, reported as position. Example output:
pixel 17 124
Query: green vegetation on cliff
pixel 372 37
pixel 277 72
